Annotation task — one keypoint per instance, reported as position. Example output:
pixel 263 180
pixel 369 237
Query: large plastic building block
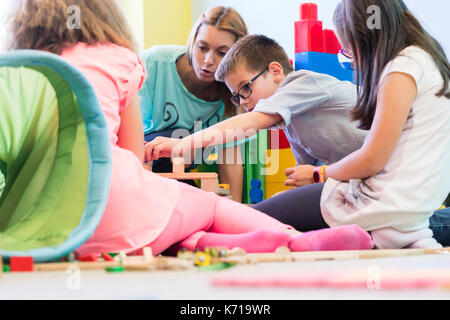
pixel 278 140
pixel 326 63
pixel 331 42
pixel 275 178
pixel 317 49
pixel 309 34
pixel 255 163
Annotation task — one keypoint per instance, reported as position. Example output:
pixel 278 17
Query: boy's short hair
pixel 254 52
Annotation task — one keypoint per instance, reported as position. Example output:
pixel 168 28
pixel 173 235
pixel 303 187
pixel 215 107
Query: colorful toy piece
pixel 21 264
pixel 107 257
pixel 202 259
pixel 209 181
pixel 309 34
pixel 88 258
pixel 217 252
pixel 256 194
pixel 317 49
pixel 115 269
pixel 275 181
pixel 278 140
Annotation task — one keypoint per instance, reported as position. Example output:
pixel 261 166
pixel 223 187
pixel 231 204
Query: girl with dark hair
pixel 400 176
pixel 392 185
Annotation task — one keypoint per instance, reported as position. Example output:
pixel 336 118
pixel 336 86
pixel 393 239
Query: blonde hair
pixel 225 19
pixel 43 25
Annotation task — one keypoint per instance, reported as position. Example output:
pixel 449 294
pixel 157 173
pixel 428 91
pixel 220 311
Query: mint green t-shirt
pixel 165 101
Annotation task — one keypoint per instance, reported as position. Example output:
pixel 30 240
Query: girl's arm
pixel 395 98
pixel 235 128
pixel 231 171
pixel 131 130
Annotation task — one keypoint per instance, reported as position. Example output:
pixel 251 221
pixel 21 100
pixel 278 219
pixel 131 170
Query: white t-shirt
pixel 397 203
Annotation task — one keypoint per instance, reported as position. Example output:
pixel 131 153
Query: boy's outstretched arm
pixel 233 129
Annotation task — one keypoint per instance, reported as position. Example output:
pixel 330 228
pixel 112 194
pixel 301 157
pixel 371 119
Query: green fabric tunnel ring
pixel 55 157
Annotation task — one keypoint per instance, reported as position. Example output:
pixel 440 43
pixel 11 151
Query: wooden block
pixel 148 165
pixel 329 255
pixel 148 255
pixel 178 165
pixel 63 266
pixel 139 266
pixel 283 251
pixel 131 263
pixel 209 180
pixel 209 185
pixel 190 176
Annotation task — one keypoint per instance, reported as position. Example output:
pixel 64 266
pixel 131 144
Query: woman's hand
pixel 299 176
pixel 162 147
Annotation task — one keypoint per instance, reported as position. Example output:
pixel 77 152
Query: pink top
pixel 140 202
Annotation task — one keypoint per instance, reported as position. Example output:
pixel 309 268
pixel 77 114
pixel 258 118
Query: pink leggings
pixel 199 212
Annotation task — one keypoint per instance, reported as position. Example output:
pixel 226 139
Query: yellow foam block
pixel 277 162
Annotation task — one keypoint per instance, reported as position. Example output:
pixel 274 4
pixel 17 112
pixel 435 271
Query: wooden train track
pixel 190 260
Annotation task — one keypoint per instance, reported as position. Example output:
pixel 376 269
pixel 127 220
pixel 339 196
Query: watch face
pixel 316 176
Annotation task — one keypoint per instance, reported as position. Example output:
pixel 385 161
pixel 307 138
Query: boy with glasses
pixel 311 108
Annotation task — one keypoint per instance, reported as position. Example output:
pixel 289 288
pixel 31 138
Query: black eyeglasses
pixel 245 91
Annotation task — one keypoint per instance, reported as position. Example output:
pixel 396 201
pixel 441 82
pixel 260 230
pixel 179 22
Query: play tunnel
pixel 55 158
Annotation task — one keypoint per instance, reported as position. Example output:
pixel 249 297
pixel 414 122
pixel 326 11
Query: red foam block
pixel 309 36
pixel 331 42
pixel 21 264
pixel 278 140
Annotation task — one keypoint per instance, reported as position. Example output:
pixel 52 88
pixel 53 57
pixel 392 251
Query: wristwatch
pixel 316 175
pixel 319 175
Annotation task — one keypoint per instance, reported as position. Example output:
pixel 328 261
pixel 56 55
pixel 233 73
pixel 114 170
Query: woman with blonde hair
pixel 181 91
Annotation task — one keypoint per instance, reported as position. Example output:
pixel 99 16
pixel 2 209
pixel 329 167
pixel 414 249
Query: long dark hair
pixel 375 47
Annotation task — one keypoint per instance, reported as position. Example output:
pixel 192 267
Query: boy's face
pixel 248 87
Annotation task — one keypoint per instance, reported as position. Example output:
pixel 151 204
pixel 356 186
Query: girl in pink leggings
pixel 144 209
pixel 222 222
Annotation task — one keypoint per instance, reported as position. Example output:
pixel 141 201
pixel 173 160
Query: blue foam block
pixel 323 63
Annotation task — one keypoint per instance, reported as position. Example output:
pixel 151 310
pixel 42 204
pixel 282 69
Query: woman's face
pixel 210 47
